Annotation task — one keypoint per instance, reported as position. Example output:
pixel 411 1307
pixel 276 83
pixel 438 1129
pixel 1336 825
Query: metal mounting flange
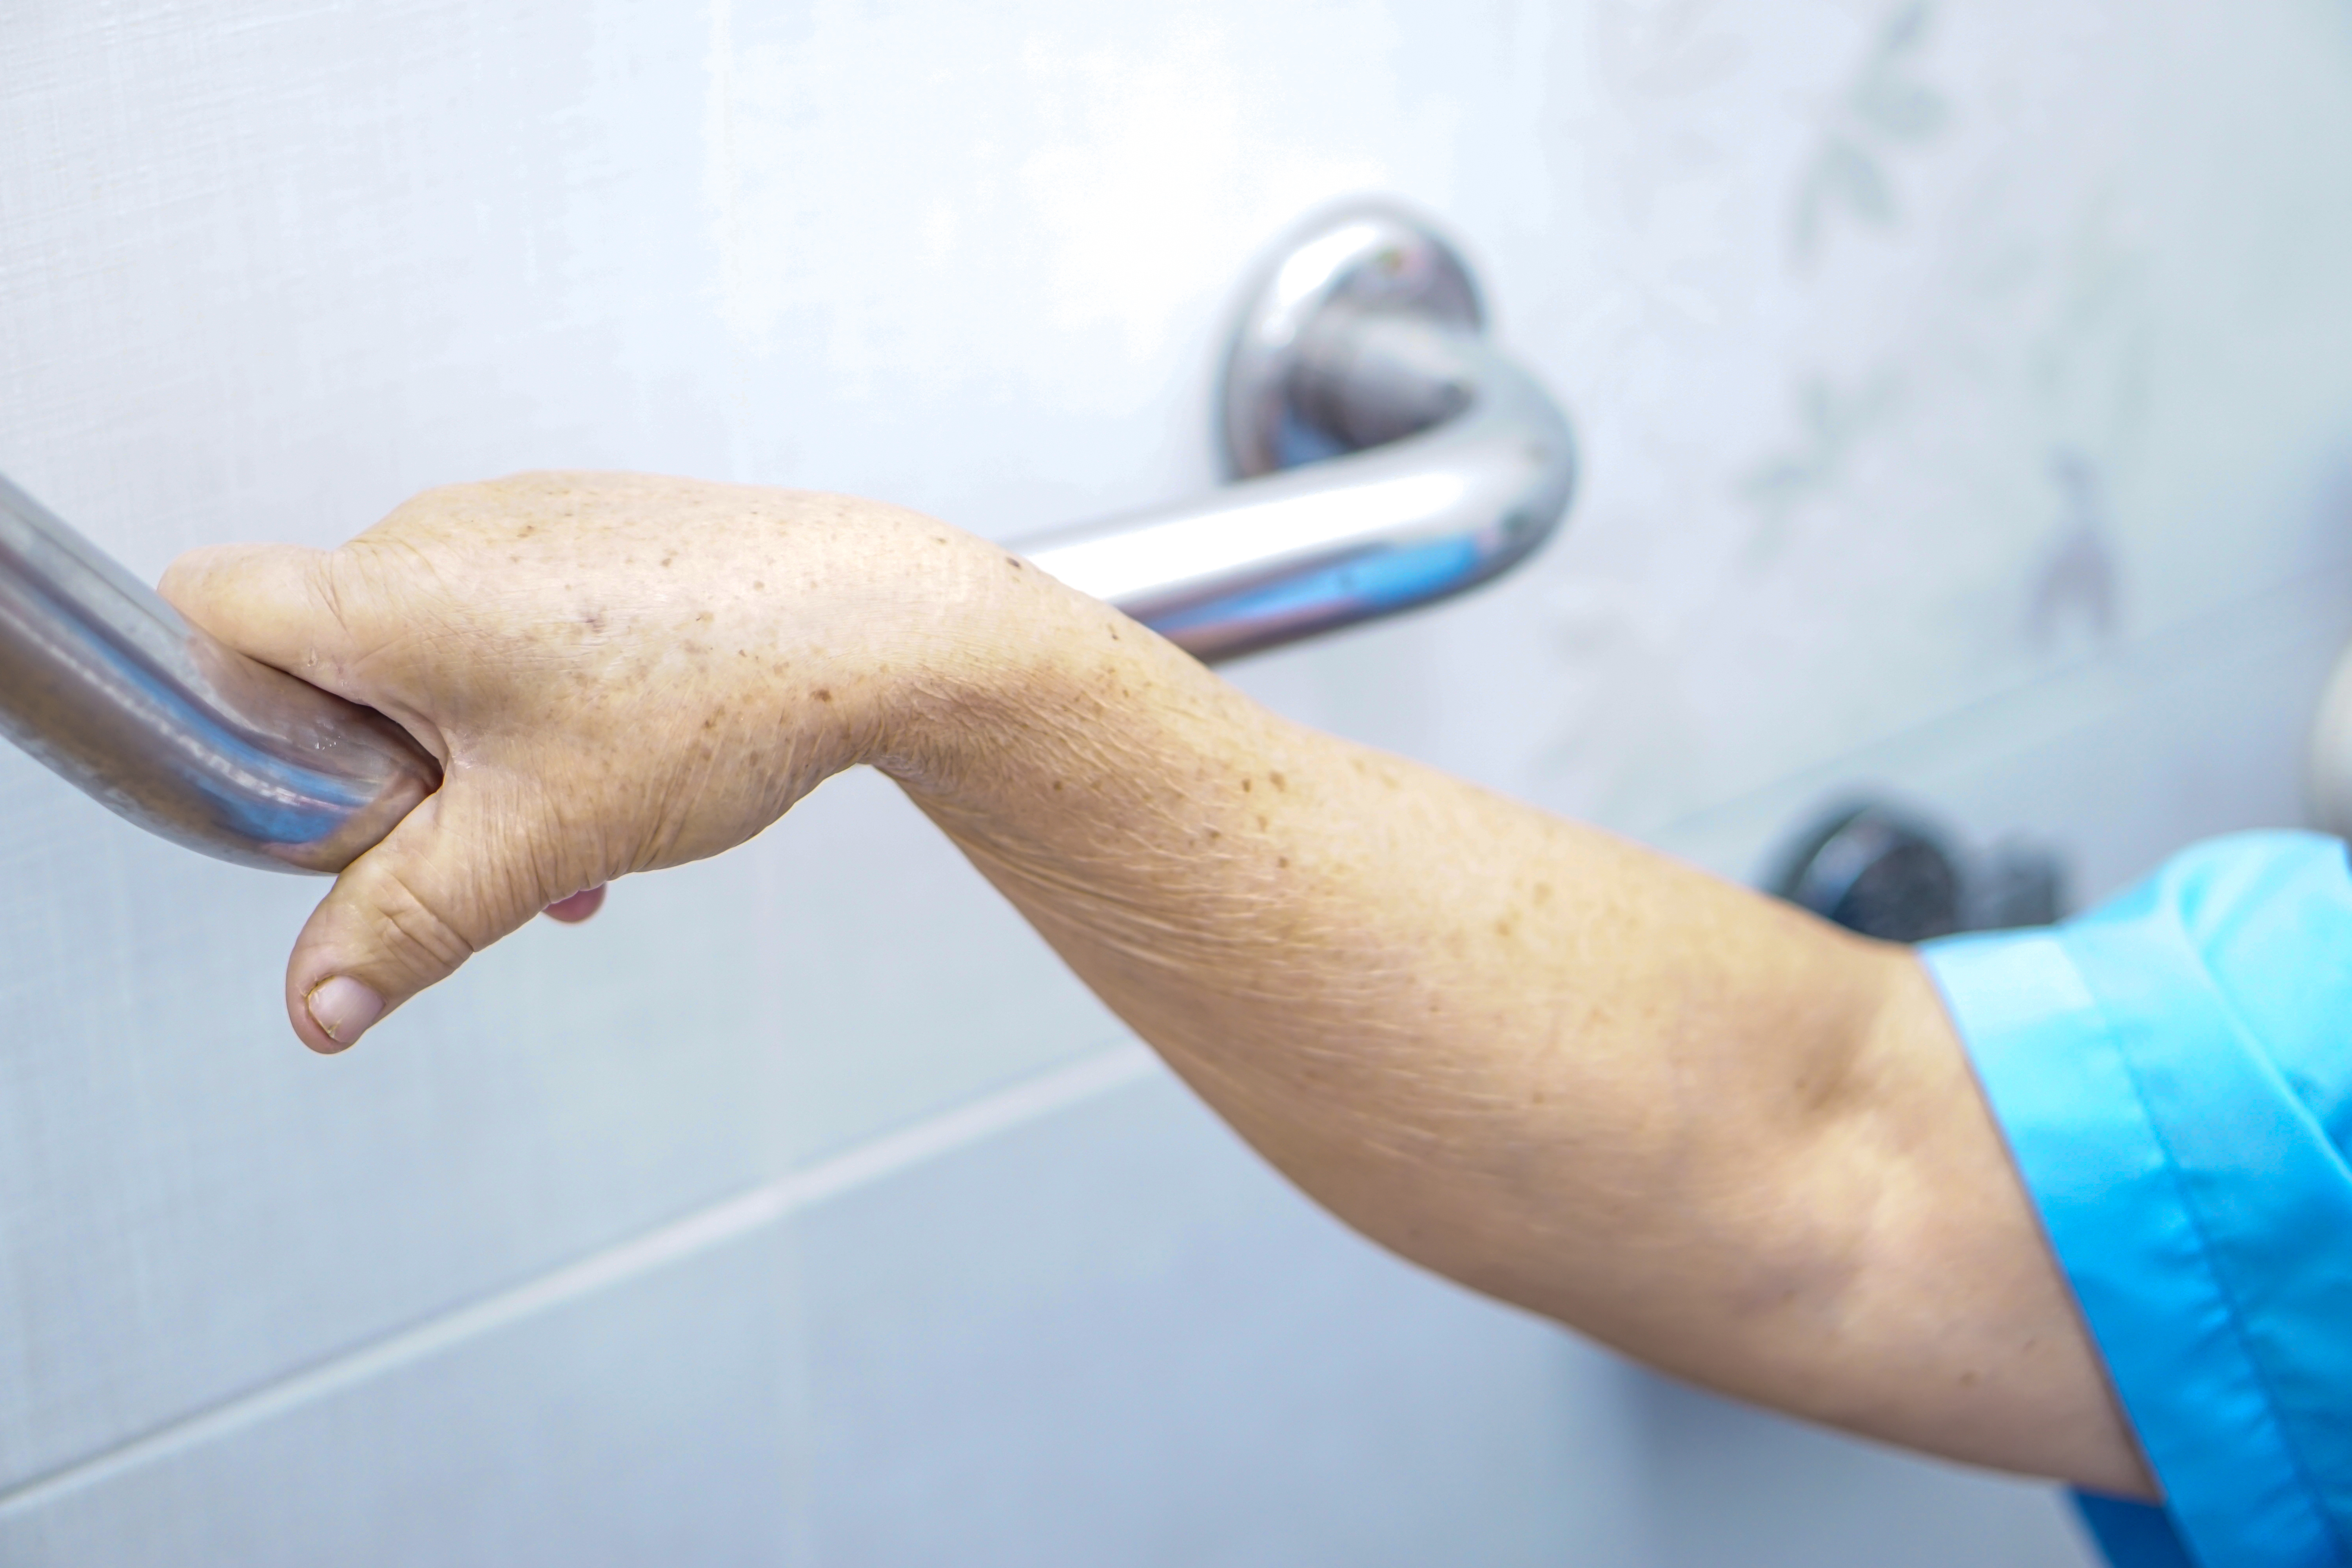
pixel 1366 255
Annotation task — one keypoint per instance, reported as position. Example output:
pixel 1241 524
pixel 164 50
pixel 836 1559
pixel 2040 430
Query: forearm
pixel 1555 1065
pixel 1392 982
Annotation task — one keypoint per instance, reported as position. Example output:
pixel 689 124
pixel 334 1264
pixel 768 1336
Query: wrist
pixel 1016 671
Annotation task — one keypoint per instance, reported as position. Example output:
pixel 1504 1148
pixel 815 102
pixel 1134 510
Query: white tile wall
pixel 1112 1339
pixel 1108 1340
pixel 191 1209
pixel 1725 1484
pixel 1966 394
pixel 652 1422
pixel 1111 1336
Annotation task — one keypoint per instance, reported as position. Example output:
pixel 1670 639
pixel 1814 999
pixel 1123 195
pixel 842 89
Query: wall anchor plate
pixel 1364 255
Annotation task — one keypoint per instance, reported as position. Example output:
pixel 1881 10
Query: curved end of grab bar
pixel 1390 456
pixel 110 686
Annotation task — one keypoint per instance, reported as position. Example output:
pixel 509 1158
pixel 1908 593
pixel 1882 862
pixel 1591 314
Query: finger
pixel 454 877
pixel 276 603
pixel 579 907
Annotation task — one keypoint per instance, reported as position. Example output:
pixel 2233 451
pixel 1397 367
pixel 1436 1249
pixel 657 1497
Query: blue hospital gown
pixel 2173 1073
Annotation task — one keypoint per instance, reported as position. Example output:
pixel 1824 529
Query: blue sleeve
pixel 2173 1076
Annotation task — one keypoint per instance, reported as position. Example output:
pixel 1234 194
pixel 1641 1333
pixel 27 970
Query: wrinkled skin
pixel 1694 1123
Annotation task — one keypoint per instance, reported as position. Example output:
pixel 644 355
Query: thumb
pixel 455 876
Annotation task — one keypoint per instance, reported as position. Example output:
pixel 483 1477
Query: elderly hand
pixel 616 672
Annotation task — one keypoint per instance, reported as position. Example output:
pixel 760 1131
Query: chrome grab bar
pixel 1388 457
pixel 108 685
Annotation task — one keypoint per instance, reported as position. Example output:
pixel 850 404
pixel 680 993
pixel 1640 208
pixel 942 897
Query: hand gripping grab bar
pixel 1386 456
pixel 108 685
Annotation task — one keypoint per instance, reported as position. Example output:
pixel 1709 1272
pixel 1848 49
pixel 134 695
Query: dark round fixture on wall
pixel 1872 870
pixel 1896 875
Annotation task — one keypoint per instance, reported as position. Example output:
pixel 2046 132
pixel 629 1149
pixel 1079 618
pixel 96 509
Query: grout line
pixel 723 1222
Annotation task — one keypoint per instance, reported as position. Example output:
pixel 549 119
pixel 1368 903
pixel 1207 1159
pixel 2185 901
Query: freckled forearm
pixel 1550 1064
pixel 1463 1024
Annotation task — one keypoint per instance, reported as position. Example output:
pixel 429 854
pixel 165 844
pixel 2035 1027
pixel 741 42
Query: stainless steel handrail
pixel 1348 539
pixel 1390 458
pixel 109 686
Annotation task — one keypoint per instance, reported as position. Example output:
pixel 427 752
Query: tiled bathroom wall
pixel 1966 395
